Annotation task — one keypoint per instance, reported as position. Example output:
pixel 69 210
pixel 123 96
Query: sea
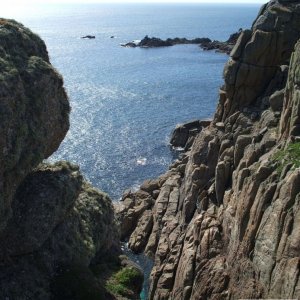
pixel 126 102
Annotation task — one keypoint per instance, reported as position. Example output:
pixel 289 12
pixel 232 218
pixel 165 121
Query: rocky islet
pixel 204 43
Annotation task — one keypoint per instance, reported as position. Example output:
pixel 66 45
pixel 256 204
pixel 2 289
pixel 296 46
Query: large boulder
pixel 34 108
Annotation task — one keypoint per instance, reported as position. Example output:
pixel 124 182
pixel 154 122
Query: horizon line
pixel 36 2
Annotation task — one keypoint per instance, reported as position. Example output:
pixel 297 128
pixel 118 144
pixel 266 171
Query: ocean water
pixel 126 102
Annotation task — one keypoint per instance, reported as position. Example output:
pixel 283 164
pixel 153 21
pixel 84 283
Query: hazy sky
pixel 14 8
pixel 28 2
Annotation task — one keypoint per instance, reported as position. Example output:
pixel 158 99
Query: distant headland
pixel 205 43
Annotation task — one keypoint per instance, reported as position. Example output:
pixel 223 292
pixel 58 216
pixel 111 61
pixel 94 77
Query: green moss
pixel 290 154
pixel 117 288
pixel 124 281
pixel 127 276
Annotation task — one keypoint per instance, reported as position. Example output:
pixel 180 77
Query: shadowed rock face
pixel 34 108
pixel 59 222
pixel 223 222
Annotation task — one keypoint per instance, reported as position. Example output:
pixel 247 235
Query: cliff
pixel 34 108
pixel 223 222
pixel 58 236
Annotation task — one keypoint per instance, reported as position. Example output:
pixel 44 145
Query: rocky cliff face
pixel 223 222
pixel 58 237
pixel 34 109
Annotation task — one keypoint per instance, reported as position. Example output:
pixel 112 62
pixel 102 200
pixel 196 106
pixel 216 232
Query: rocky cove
pixel 222 223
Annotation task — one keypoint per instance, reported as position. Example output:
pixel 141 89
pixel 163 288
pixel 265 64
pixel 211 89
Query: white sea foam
pixel 178 148
pixel 135 187
pixel 141 161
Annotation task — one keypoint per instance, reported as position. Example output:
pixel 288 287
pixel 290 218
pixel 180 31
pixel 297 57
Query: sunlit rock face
pixel 223 222
pixel 258 55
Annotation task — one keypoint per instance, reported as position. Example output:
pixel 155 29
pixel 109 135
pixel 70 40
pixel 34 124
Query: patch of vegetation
pixel 127 276
pixel 290 154
pixel 124 282
pixel 107 280
pixel 117 288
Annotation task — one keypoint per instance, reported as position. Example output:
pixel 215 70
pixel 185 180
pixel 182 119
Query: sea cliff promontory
pixel 224 221
pixel 58 235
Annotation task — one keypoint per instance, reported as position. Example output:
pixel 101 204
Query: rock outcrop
pixel 223 47
pixel 154 42
pixel 223 222
pixel 58 236
pixel 88 37
pixel 34 109
pixel 184 134
pixel 204 43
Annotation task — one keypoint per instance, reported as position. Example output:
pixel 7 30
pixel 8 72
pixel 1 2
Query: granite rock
pixel 227 227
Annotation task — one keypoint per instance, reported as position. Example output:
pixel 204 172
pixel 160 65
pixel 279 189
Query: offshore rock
pixel 223 47
pixel 224 222
pixel 204 43
pixel 88 37
pixel 154 42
